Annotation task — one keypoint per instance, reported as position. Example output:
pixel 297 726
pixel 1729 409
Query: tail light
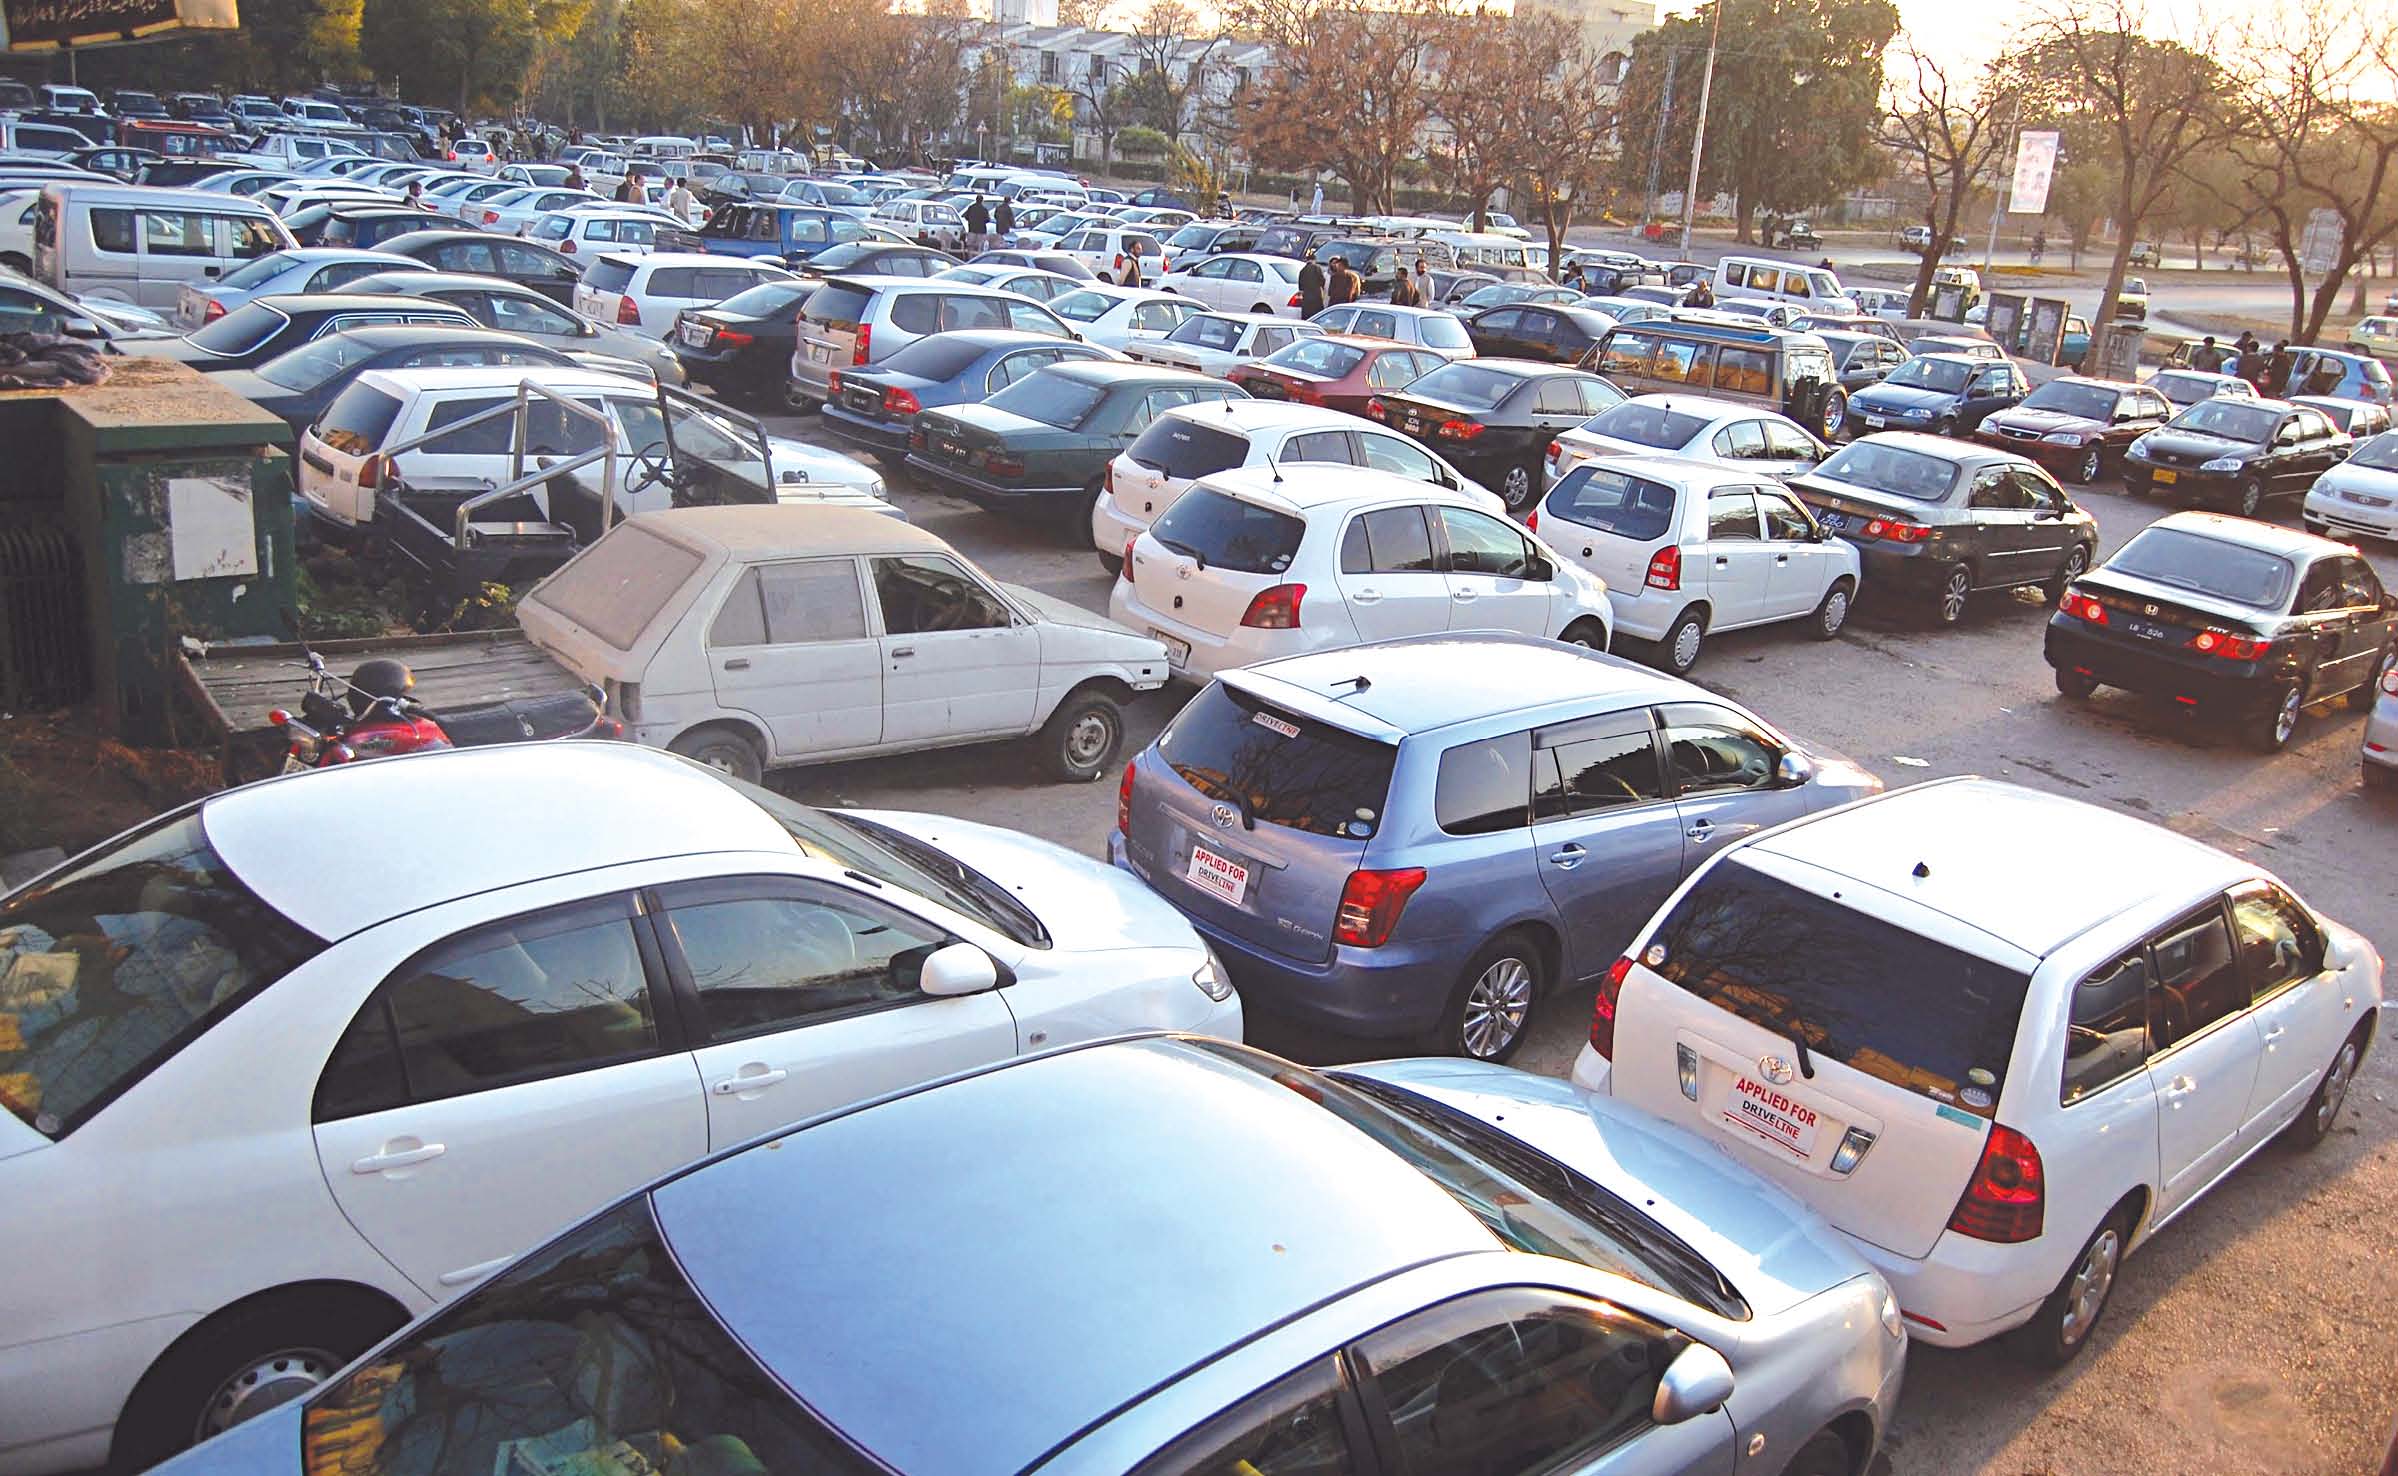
pixel 1306 394
pixel 916 438
pixel 1532 520
pixel 2389 681
pixel 2225 645
pixel 1370 906
pixel 491 217
pixel 567 245
pixel 1377 410
pixel 1125 573
pixel 1275 608
pixel 1602 1015
pixel 2082 607
pixel 212 312
pixel 1556 449
pixel 898 401
pixel 832 383
pixel 729 338
pixel 628 312
pixel 2005 1199
pixel 370 471
pixel 1896 531
pixel 1294 302
pixel 1460 430
pixel 1124 800
pixel 1665 568
pixel 1003 466
pixel 864 353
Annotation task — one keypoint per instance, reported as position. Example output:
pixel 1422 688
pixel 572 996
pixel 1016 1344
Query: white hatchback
pixel 1995 1073
pixel 646 293
pixel 1688 549
pixel 1117 317
pixel 1270 561
pixel 368 1033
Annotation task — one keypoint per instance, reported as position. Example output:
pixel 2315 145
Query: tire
pixel 2270 730
pixel 1678 652
pixel 2077 563
pixel 723 748
pixel 2074 685
pixel 1521 486
pixel 1082 738
pixel 2061 1329
pixel 1946 425
pixel 2320 530
pixel 2090 467
pixel 1831 613
pixel 1491 1012
pixel 1261 309
pixel 17 264
pixel 242 1364
pixel 1114 564
pixel 1826 1455
pixel 1835 415
pixel 1074 524
pixel 2250 499
pixel 1586 633
pixel 1956 586
pixel 2322 1112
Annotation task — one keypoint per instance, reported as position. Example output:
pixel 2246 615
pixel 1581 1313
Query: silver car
pixel 301 269
pixel 1159 1253
pixel 512 308
pixel 2381 730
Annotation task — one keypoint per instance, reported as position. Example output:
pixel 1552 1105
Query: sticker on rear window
pixel 1268 720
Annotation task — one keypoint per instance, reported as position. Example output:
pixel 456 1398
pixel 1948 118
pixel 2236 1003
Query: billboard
pixel 55 25
pixel 2035 166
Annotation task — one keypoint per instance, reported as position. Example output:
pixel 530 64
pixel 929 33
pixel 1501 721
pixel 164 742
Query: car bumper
pixel 2342 516
pixel 1966 1291
pixel 1865 419
pixel 890 437
pixel 2142 476
pixel 2048 454
pixel 988 494
pixel 2192 680
pixel 1643 616
pixel 1909 567
pixel 1208 652
pixel 1112 527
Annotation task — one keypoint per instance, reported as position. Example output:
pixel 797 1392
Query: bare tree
pixel 1354 89
pixel 1171 56
pixel 1949 133
pixel 1089 14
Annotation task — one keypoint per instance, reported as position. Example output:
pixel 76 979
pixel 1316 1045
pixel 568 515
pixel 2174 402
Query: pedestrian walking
pixel 1311 289
pixel 1004 220
pixel 1315 204
pixel 682 202
pixel 978 225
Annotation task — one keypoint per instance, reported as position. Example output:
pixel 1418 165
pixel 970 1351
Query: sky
pixel 1977 30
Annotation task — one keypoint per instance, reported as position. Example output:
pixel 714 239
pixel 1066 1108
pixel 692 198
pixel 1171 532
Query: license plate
pixel 820 353
pixel 292 764
pixel 2146 630
pixel 951 449
pixel 1876 422
pixel 1178 653
pixel 2166 478
pixel 696 334
pixel 1220 877
pixel 1415 425
pixel 1771 1116
pixel 1832 522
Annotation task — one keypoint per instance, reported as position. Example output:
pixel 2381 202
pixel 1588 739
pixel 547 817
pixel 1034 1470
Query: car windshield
pixel 1613 502
pixel 1278 767
pixel 1947 376
pixel 265 269
pixel 1469 385
pixel 1204 330
pixel 2082 401
pixel 2186 389
pixel 840 194
pixel 1647 423
pixel 1085 306
pixel 2209 566
pixel 2380 453
pixel 1051 399
pixel 1879 466
pixel 1222 532
pixel 311 364
pixel 1318 356
pixel 2253 424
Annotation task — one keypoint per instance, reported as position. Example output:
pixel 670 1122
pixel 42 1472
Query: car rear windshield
pixel 1279 768
pixel 311 364
pixel 766 300
pixel 1226 533
pixel 2083 401
pixel 2210 566
pixel 251 273
pixel 357 420
pixel 1881 467
pixel 241 330
pixel 1469 385
pixel 1205 330
pixel 1851 987
pixel 1647 424
pixel 939 357
pixel 836 306
pixel 1183 448
pixel 1083 307
pixel 618 585
pixel 118 961
pixel 1316 356
pixel 605 275
pixel 1052 399
pixel 1614 502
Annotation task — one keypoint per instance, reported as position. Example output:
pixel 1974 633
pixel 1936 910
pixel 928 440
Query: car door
pixel 2284 460
pixel 1489 567
pixel 1738 565
pixel 1804 561
pixel 502 1084
pixel 802 996
pixel 1606 836
pixel 2204 1050
pixel 1391 579
pixel 1244 287
pixel 1497 333
pixel 2050 534
pixel 2001 544
pixel 551 276
pixel 2298 1007
pixel 957 662
pixel 1725 775
pixel 2353 628
pixel 1323 445
pixel 1994 387
pixel 789 646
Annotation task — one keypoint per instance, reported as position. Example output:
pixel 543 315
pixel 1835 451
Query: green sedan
pixel 1041 446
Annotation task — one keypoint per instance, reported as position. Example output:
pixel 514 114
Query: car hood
pixel 1065 612
pixel 2043 422
pixel 1773 1249
pixel 1086 905
pixel 2349 477
pixel 823 467
pixel 2197 443
pixel 1888 396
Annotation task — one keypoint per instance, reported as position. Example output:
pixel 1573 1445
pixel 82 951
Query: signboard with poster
pixel 1948 301
pixel 2006 319
pixel 61 25
pixel 2035 167
pixel 2047 337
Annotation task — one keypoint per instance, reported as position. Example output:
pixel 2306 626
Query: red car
pixel 2077 427
pixel 1336 369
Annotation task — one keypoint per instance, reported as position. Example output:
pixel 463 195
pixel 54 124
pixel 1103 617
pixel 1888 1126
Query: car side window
pixel 529 315
pixel 1557 397
pixel 2197 979
pixel 1290 1428
pixel 1378 325
pixel 1785 520
pixel 2038 491
pixel 1731 515
pixel 1997 489
pixel 1391 454
pixel 1485 786
pixel 1025 318
pixel 924 594
pixel 1481 544
pixel 1598 764
pixel 1742 440
pixel 1709 749
pixel 1332 445
pixel 2322 589
pixel 536 996
pixel 807 953
pixel 466 256
pixel 2106 1032
pixel 2278 941
pixel 1393 540
pixel 1513 1382
pixel 1788 443
pixel 2360 586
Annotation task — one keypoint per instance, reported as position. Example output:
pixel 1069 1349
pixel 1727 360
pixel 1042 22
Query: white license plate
pixel 1876 421
pixel 820 353
pixel 1178 653
pixel 696 334
pixel 1220 877
pixel 292 764
pixel 1771 1116
pixel 1415 425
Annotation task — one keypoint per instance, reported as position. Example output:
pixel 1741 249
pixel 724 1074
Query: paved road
pixel 2256 1334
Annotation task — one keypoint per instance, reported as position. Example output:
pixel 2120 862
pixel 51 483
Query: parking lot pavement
pixel 2255 1334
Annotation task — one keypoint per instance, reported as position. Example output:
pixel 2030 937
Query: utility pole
pixel 1698 139
pixel 1665 110
pixel 2000 187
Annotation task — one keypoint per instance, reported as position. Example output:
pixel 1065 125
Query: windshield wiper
pixel 1184 549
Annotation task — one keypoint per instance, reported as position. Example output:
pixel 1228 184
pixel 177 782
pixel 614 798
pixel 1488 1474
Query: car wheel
pixel 2077 563
pixel 1588 634
pixel 1948 606
pixel 16 263
pixel 2319 529
pixel 1520 486
pixel 1946 425
pixel 2061 1329
pixel 2251 497
pixel 2074 684
pixel 2380 776
pixel 1835 414
pixel 1831 614
pixel 725 749
pixel 2322 1112
pixel 1826 1455
pixel 1679 651
pixel 2272 728
pixel 2086 470
pixel 1081 738
pixel 1074 521
pixel 1113 564
pixel 1492 1009
pixel 1261 310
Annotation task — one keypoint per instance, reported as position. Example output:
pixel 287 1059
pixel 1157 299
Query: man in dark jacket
pixel 1004 220
pixel 1311 289
pixel 978 225
pixel 2276 380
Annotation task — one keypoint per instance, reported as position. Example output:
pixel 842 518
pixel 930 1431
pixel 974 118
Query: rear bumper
pixel 1883 566
pixel 1112 528
pixel 1644 617
pixel 1210 653
pixel 982 493
pixel 2242 686
pixel 886 436
pixel 1966 1291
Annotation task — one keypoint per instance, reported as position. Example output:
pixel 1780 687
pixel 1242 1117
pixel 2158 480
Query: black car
pixel 741 348
pixel 1375 259
pixel 550 273
pixel 178 173
pixel 1938 519
pixel 299 383
pixel 2236 453
pixel 1493 419
pixel 876 259
pixel 264 327
pixel 2225 614
pixel 373 225
pixel 117 159
pixel 1551 332
pixel 128 104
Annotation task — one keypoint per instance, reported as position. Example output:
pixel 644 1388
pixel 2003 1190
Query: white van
pixel 124 243
pixel 662 146
pixel 1813 288
pixel 58 97
pixel 1483 248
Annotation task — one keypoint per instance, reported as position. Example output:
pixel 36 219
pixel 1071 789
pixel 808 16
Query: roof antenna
pixel 1270 466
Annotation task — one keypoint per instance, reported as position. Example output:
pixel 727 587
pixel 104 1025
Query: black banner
pixel 58 22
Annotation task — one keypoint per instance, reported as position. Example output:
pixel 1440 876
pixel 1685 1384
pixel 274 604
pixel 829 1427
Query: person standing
pixel 1294 199
pixel 1423 283
pixel 978 225
pixel 1315 204
pixel 1403 290
pixel 682 202
pixel 1311 289
pixel 1004 220
pixel 2276 381
pixel 416 194
pixel 574 177
pixel 2207 357
pixel 1344 283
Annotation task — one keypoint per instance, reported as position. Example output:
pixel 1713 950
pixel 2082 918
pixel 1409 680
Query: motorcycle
pixel 369 714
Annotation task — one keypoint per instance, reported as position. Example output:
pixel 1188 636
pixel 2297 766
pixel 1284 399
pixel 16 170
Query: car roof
pixel 1121 371
pixel 1707 405
pixel 1303 486
pixel 436 379
pixel 1963 453
pixel 293 304
pixel 2250 533
pixel 771 530
pixel 1971 361
pixel 1674 471
pixel 400 335
pixel 1262 414
pixel 1985 853
pixel 1421 683
pixel 423 281
pixel 2091 380
pixel 1033 1189
pixel 295 840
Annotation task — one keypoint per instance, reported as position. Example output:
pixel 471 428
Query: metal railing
pixel 527 391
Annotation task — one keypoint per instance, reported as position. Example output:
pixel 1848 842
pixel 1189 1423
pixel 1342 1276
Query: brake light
pixel 2389 681
pixel 491 217
pixel 1126 572
pixel 1460 430
pixel 2082 607
pixel 2004 1200
pixel 1002 466
pixel 729 338
pixel 1556 449
pixel 628 312
pixel 212 312
pixel 1370 906
pixel 865 349
pixel 1896 531
pixel 1602 1015
pixel 1124 800
pixel 1376 409
pixel 898 401
pixel 2226 645
pixel 567 245
pixel 1294 302
pixel 1532 520
pixel 1275 608
pixel 1665 568
pixel 370 471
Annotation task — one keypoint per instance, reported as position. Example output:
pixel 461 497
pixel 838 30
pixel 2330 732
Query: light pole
pixel 1698 137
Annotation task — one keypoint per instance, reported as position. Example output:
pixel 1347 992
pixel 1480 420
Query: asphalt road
pixel 2256 1332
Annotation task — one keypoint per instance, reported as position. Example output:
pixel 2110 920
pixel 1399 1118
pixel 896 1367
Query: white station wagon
pixel 757 637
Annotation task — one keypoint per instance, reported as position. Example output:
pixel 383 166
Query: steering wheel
pixel 943 607
pixel 650 469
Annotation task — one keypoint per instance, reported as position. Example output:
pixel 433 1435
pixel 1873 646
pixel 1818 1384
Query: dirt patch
pixel 61 784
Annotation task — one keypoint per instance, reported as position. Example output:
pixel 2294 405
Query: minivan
pixel 1813 288
pixel 143 246
pixel 1730 358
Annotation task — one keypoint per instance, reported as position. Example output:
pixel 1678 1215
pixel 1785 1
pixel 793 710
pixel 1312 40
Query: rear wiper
pixel 1798 1038
pixel 1185 550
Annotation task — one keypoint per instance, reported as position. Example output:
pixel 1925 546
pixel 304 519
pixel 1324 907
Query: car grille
pixel 2016 433
pixel 2176 458
pixel 2364 499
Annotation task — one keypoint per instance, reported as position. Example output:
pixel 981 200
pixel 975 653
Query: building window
pixel 1049 66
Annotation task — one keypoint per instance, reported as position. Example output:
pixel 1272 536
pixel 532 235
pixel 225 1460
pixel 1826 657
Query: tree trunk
pixel 1742 231
pixel 1919 301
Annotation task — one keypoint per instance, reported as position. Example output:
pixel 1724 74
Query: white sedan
pixel 1115 317
pixel 1239 282
pixel 513 213
pixel 288 1067
pixel 2358 497
pixel 1218 343
pixel 1718 433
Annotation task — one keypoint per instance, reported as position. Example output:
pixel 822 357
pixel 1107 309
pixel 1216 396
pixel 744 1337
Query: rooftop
pixel 1415 685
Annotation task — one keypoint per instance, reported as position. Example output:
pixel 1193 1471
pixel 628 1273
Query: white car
pixel 928 222
pixel 2359 496
pixel 363 1094
pixel 1995 1074
pixel 513 213
pixel 1272 561
pixel 472 153
pixel 1116 252
pixel 1688 549
pixel 1218 343
pixel 1194 441
pixel 1437 329
pixel 1721 433
pixel 1240 282
pixel 648 291
pixel 553 175
pixel 625 230
pixel 295 195
pixel 772 636
pixel 1024 281
pixel 17 209
pixel 455 197
pixel 1116 317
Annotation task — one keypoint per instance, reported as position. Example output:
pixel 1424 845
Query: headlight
pixel 2221 464
pixel 1892 1322
pixel 1917 412
pixel 2063 438
pixel 1211 978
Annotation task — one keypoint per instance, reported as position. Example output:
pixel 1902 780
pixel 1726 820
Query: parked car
pixel 368 1124
pixel 2358 497
pixel 2380 757
pixel 741 347
pixel 268 325
pixel 1750 362
pixel 1434 328
pixel 1117 253
pixel 649 293
pixel 1260 562
pixel 1918 239
pixel 1724 434
pixel 514 212
pixel 462 192
pixel 1496 417
pixel 1859 358
pixel 2077 428
pixel 1936 520
pixel 1216 343
pixel 497 303
pixel 875 408
pixel 1047 261
pixel 299 383
pixel 1995 1147
pixel 872 258
pixel 2229 616
pixel 2131 300
pixel 2321 371
pixel 1550 333
pixel 1030 282
pixel 860 321
pixel 1238 282
pixel 1428 841
pixel 299 270
pixel 553 274
pixel 2361 419
pixel 1202 239
pixel 2187 387
pixel 1340 372
pixel 1115 316
pixel 2375 336
pixel 2237 453
pixel 1881 302
pixel 1945 394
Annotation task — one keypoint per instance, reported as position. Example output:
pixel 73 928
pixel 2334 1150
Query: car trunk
pixel 1423 418
pixel 1283 384
pixel 1855 506
pixel 1619 557
pixel 2163 615
pixel 975 437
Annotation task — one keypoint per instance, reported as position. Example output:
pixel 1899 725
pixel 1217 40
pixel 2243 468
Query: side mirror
pixel 1793 770
pixel 1697 1382
pixel 961 968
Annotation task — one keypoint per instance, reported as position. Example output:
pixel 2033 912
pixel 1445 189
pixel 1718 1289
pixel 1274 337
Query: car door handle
pixel 1722 563
pixel 1366 597
pixel 1703 830
pixel 738 663
pixel 2273 1035
pixel 393 1157
pixel 748 1082
pixel 1461 595
pixel 2179 1087
pixel 1567 857
pixel 903 651
pixel 1781 558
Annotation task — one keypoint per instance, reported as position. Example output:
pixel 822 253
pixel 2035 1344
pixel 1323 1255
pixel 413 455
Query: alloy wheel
pixel 1496 1005
pixel 1517 488
pixel 1952 595
pixel 2086 1297
pixel 2089 468
pixel 2335 1088
pixel 2285 718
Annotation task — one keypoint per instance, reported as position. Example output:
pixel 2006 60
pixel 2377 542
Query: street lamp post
pixel 1698 138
